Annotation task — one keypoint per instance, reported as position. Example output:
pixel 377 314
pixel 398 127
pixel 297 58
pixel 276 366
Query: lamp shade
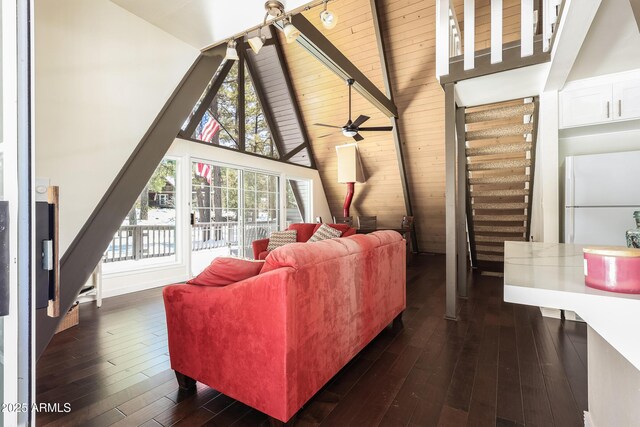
pixel 232 53
pixel 349 164
pixel 291 32
pixel 256 43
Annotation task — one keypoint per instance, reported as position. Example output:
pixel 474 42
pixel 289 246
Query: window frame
pixel 207 99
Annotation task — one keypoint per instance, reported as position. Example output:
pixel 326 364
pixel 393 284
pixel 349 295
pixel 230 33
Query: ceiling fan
pixel 353 128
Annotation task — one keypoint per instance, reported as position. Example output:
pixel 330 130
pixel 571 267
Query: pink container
pixel 612 269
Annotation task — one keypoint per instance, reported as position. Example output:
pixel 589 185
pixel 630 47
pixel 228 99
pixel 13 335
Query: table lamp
pixel 349 171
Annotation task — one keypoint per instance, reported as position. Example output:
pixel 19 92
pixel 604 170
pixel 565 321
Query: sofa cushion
pixel 281 238
pixel 305 230
pixel 344 229
pixel 324 232
pixel 224 271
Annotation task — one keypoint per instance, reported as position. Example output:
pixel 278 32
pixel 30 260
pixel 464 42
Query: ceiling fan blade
pixel 358 137
pixel 377 128
pixel 327 126
pixel 360 120
pixel 326 135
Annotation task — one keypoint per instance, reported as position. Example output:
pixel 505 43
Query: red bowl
pixel 612 269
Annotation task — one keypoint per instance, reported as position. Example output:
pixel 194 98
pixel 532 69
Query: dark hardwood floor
pixel 499 365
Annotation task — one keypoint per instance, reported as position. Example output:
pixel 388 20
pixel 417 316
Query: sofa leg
pixel 185 382
pixel 397 325
pixel 274 422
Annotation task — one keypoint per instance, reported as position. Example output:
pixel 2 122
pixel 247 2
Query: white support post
pixel 469 34
pixel 496 31
pixel 450 202
pixel 442 38
pixel 526 28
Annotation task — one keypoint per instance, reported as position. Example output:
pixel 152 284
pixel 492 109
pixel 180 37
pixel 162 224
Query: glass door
pixel 261 211
pixel 215 219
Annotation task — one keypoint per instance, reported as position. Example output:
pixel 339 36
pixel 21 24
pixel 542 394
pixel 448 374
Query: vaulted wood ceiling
pixel 408 25
pixel 409 29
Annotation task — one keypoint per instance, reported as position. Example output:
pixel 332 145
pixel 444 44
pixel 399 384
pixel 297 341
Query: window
pixel 261 207
pixel 235 118
pixel 257 134
pixel 149 230
pixel 298 200
pixel 231 208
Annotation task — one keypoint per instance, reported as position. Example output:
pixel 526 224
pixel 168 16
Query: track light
pixel 328 19
pixel 256 43
pixel 290 32
pixel 232 53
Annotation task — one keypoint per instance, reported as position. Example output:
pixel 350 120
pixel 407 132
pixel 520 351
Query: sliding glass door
pixel 230 208
pixel 261 211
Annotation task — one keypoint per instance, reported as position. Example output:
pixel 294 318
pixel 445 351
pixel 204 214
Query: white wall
pixel 612 43
pixel 148 276
pixel 101 76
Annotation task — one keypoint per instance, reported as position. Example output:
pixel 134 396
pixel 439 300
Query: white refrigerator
pixel 601 193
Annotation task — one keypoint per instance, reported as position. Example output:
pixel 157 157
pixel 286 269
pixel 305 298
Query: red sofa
pixel 304 232
pixel 273 340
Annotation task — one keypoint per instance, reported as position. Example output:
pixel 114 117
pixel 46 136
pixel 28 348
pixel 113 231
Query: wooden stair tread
pixel 497 132
pixel 485 257
pixel 500 113
pixel 505 179
pixel 498 164
pixel 499 239
pixel 499 218
pixel 492 249
pixel 499 205
pixel 499 149
pixel 500 228
pixel 498 193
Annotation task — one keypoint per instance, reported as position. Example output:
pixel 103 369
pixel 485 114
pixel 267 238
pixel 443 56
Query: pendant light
pixel 328 19
pixel 232 53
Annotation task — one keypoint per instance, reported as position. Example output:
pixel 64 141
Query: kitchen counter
pixel 552 275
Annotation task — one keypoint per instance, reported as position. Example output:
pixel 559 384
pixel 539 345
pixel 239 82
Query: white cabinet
pixel 600 100
pixel 585 106
pixel 626 97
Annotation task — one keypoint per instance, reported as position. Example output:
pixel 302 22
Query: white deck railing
pixel 448 39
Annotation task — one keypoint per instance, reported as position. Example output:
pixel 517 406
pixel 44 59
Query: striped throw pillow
pixel 281 238
pixel 325 232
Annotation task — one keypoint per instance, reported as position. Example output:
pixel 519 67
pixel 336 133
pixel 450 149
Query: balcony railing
pixel 134 242
pixel 536 16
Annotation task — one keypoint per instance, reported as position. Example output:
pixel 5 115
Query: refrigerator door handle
pixel 569 187
pixel 571 225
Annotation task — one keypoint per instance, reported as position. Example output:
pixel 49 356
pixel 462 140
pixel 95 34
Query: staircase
pixel 500 144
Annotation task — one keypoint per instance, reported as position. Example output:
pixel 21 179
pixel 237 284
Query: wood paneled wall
pixel 323 98
pixel 409 28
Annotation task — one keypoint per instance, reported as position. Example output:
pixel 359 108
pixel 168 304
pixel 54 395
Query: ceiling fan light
pixel 256 43
pixel 349 133
pixel 232 53
pixel 328 19
pixel 290 32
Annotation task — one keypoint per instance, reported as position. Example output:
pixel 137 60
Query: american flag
pixel 204 170
pixel 207 128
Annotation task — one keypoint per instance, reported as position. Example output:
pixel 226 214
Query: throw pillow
pixel 224 271
pixel 281 238
pixel 325 232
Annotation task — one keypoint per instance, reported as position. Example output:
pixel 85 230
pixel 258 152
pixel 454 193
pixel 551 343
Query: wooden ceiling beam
pixel 313 41
pixel 397 138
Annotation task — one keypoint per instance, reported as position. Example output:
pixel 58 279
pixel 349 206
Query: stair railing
pixel 448 34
